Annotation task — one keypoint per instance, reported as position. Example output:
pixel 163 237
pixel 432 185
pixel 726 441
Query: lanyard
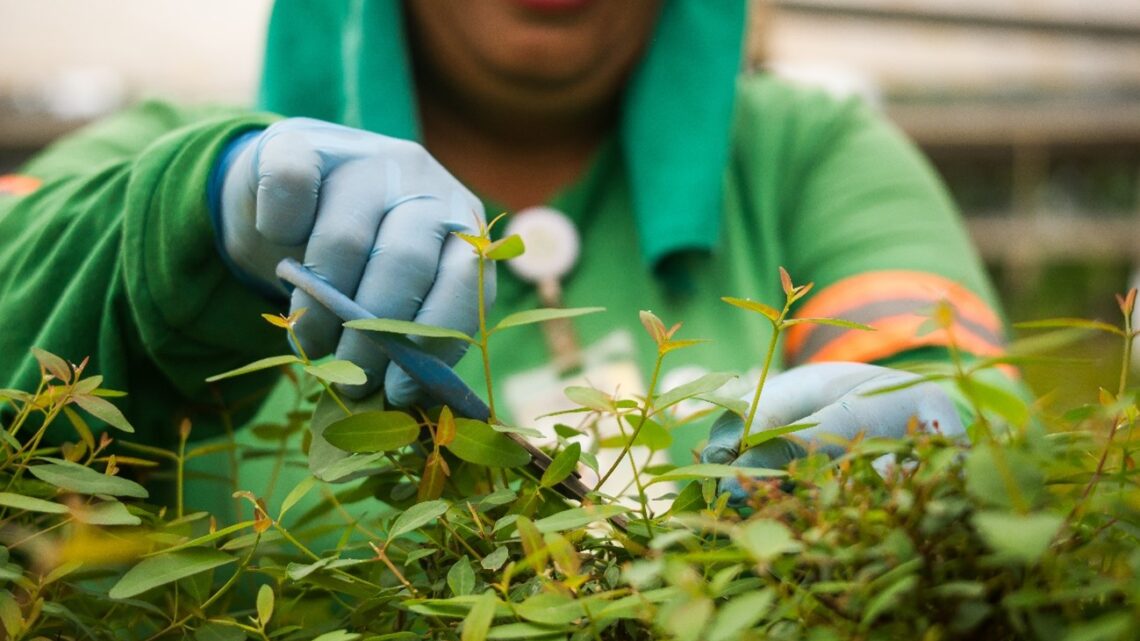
pixel 552 251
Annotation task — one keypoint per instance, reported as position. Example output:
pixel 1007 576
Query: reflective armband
pixel 17 185
pixel 899 305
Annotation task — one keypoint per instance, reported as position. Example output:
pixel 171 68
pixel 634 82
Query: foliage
pixel 1030 533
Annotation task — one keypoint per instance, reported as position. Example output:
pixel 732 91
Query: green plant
pixel 1030 533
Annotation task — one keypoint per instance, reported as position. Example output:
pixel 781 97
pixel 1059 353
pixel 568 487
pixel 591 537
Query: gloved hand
pixel 370 214
pixel 834 397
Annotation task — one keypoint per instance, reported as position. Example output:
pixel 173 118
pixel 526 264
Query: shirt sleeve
pixel 107 253
pixel 864 217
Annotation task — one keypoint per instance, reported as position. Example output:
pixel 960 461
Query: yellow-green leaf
pixel 770 313
pixel 478 620
pixel 265 363
pixel 393 326
pixel 477 442
pixel 562 465
pixel 506 248
pixel 544 314
pixel 31 504
pixel 373 431
pixel 264 605
pixel 155 571
pixel 338 371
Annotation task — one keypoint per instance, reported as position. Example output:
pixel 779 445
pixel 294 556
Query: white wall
pixel 189 50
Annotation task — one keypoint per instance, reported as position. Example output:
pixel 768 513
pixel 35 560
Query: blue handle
pixel 440 381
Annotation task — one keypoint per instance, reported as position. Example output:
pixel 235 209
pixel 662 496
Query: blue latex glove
pixel 370 214
pixel 834 397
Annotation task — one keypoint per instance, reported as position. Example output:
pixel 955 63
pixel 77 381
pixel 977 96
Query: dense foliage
pixel 1030 532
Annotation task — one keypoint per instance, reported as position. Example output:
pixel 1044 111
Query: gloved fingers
pixel 724 439
pixel 452 302
pixel 774 454
pixel 342 241
pixel 403 267
pixel 787 398
pixel 289 174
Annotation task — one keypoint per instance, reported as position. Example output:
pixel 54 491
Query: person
pixel 148 241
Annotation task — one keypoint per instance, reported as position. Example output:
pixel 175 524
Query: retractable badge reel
pixel 552 250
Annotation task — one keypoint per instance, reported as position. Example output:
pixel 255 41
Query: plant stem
pixel 483 338
pixel 777 327
pixel 640 423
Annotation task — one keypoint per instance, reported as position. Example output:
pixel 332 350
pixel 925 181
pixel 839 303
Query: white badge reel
pixel 552 250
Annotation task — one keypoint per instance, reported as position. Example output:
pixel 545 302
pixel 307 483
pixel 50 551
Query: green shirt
pixel 113 257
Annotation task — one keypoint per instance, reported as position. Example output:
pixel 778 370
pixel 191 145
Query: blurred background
pixel 1030 110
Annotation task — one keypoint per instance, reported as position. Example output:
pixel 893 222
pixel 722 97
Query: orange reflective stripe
pixel 18 185
pixel 897 303
pixel 897 334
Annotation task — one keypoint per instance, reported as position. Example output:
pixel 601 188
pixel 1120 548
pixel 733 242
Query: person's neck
pixel 515 157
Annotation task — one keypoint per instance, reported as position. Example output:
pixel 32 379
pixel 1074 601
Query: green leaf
pixel 31 504
pixel 562 465
pixel 986 481
pixel 834 322
pixel 591 398
pixel 461 577
pixel 578 517
pixel 551 608
pixel 544 314
pixel 296 494
pixel 82 480
pixel 529 631
pixel 105 513
pixel 703 385
pixel 212 631
pixel 501 496
pixel 81 427
pixel 264 605
pixel 528 432
pixel 1024 537
pixel 478 620
pixel 104 411
pixel 1075 323
pixel 477 442
pixel 889 599
pixel 53 364
pixel 770 313
pixel 393 326
pixel 686 618
pixel 256 366
pixel 739 614
pixel 347 468
pixel 416 517
pixel 505 248
pixel 713 470
pixel 652 434
pixel 765 539
pixel 735 405
pixel 207 538
pixel 326 461
pixel 338 635
pixel 373 431
pixel 764 436
pixel 1005 404
pixel 434 477
pixel 496 559
pixel 159 570
pixel 689 499
pixel 343 372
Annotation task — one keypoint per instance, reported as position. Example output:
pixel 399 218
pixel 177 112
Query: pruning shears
pixel 440 381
